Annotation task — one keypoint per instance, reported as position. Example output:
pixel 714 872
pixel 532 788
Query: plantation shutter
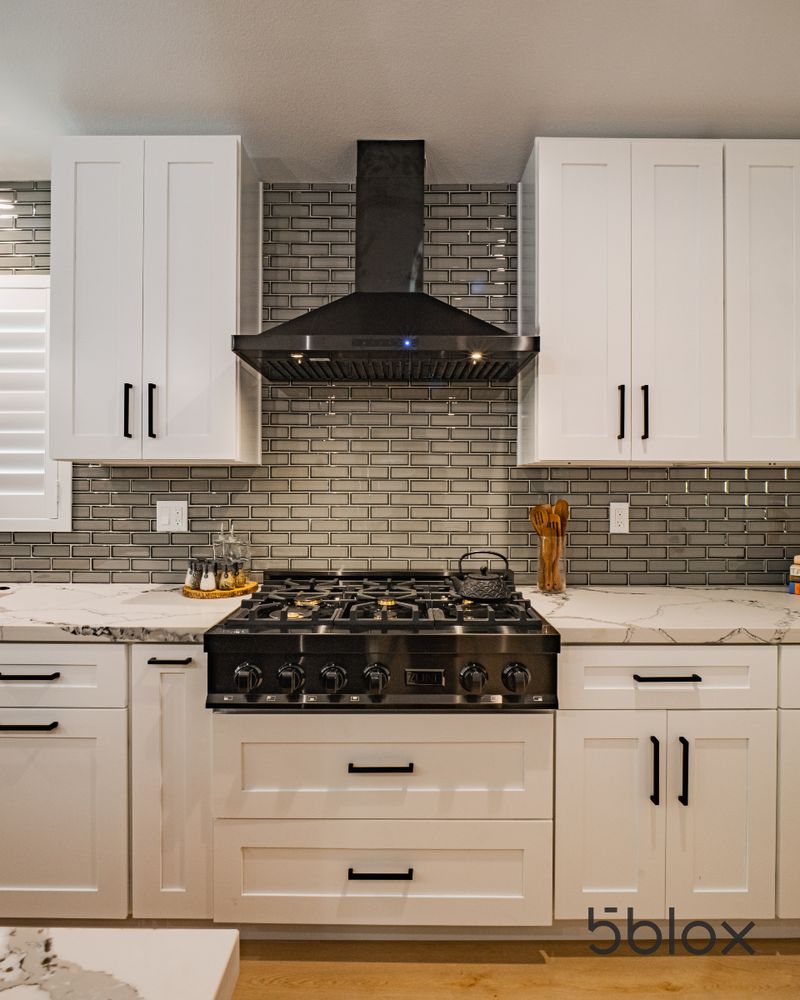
pixel 34 491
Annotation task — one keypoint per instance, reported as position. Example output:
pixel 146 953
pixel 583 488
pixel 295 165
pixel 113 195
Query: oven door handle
pixel 381 769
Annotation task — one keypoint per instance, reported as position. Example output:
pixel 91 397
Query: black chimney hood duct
pixel 388 330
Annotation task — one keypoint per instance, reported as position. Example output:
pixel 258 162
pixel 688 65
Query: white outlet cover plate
pixel 172 515
pixel 619 518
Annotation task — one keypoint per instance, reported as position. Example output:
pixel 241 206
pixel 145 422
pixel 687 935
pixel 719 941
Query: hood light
pixel 476 356
pixel 297 357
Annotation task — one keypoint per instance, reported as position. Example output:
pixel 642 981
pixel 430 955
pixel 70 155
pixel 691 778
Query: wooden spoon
pixel 541 519
pixel 561 509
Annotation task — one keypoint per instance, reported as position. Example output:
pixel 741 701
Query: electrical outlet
pixel 172 515
pixel 618 518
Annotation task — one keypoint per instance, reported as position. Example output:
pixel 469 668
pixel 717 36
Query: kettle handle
pixel 482 552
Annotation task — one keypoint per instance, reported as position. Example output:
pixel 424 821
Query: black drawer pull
pixel 683 798
pixel 646 404
pixel 29 729
pixel 398 769
pixel 691 679
pixel 621 390
pixel 155 661
pixel 655 798
pixel 31 677
pixel 354 876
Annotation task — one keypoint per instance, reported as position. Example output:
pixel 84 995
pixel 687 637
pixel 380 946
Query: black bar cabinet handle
pixel 31 677
pixel 646 404
pixel 621 434
pixel 655 798
pixel 29 729
pixel 354 876
pixel 151 392
pixel 126 410
pixel 683 798
pixel 399 769
pixel 691 679
pixel 169 663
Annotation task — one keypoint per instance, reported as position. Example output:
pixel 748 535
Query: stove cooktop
pixel 379 641
pixel 376 602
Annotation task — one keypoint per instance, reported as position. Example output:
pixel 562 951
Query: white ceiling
pixel 478 79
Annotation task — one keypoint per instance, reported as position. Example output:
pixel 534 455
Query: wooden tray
pixel 202 595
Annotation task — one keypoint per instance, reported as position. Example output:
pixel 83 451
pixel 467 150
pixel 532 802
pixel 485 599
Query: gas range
pixel 377 642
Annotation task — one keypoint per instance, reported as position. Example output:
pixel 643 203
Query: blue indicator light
pixel 408 342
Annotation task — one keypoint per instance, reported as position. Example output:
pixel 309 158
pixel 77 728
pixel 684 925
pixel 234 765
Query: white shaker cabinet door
pixel 582 394
pixel 789 813
pixel 64 813
pixel 170 783
pixel 609 812
pixel 189 386
pixel 677 301
pixel 762 300
pixel 721 814
pixel 96 298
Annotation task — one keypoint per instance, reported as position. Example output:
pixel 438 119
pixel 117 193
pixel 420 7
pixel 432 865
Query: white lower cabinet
pixel 413 872
pixel 610 821
pixel 64 813
pixel 660 809
pixel 170 783
pixel 788 813
pixel 383 820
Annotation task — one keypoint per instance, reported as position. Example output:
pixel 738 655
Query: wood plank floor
pixel 508 971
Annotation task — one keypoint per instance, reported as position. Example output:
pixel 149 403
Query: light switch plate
pixel 172 515
pixel 618 518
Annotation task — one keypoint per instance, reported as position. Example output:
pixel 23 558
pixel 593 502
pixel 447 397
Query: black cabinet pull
pixel 354 876
pixel 655 798
pixel 683 798
pixel 646 404
pixel 31 677
pixel 621 434
pixel 154 660
pixel 691 679
pixel 151 392
pixel 29 729
pixel 399 769
pixel 126 410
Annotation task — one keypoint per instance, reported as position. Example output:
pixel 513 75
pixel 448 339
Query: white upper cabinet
pixel 572 406
pixel 762 235
pixel 629 293
pixel 96 298
pixel 676 301
pixel 155 250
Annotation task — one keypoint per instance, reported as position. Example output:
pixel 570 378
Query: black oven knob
pixel 291 678
pixel 333 678
pixel 516 677
pixel 247 677
pixel 474 678
pixel 376 677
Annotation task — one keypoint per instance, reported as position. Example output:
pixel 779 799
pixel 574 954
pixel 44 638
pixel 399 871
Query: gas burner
pixel 383 609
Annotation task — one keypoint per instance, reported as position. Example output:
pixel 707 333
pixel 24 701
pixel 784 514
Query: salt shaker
pixel 208 581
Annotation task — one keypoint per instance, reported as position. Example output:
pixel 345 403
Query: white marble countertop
pixel 106 612
pixel 97 963
pixel 735 615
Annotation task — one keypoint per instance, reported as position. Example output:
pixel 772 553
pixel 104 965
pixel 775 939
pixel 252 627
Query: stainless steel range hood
pixel 388 330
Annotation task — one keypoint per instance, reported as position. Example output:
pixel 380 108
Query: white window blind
pixel 35 492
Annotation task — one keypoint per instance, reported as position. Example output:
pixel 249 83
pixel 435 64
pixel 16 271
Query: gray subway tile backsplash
pixel 400 476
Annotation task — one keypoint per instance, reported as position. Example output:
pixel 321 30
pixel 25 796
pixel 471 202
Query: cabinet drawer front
pixel 64 815
pixel 669 677
pixel 449 873
pixel 403 766
pixel 68 675
pixel 789 677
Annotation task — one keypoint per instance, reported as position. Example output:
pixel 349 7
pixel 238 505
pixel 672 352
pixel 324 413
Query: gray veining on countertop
pixel 50 612
pixel 733 615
